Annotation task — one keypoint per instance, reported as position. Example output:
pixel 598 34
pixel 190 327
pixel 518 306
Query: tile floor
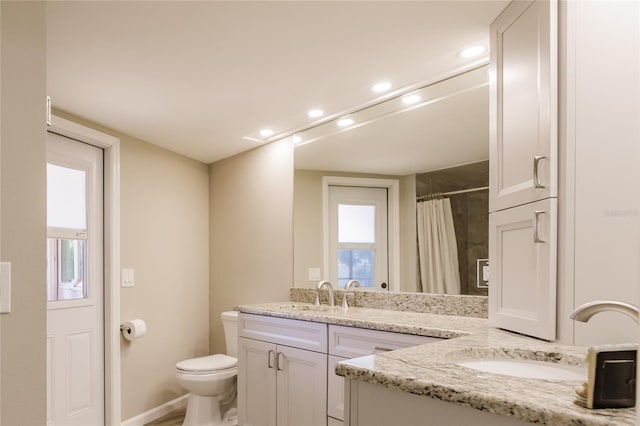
pixel 174 418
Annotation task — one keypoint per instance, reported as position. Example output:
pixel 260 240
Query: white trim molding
pixel 111 147
pixel 393 217
pixel 157 412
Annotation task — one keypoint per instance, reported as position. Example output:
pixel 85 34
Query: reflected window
pixel 356 265
pixel 356 224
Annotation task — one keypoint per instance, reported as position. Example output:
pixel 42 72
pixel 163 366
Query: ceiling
pixel 449 128
pixel 202 78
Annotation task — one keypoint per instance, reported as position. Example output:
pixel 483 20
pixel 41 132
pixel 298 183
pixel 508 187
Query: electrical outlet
pixel 482 273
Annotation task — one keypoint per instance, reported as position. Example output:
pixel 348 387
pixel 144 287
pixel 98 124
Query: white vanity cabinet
pixel 370 405
pixel 282 374
pixel 523 168
pixel 286 368
pixel 350 342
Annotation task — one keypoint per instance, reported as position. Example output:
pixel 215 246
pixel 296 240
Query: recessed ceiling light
pixel 315 113
pixel 266 133
pixel 346 121
pixel 472 51
pixel 411 98
pixel 296 139
pixel 381 87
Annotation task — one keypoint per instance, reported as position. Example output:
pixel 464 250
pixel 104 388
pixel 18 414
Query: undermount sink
pixel 526 368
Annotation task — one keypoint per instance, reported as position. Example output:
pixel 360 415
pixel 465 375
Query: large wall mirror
pixel 428 151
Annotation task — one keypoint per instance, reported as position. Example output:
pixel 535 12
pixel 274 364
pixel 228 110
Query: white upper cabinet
pixel 522 241
pixel 523 104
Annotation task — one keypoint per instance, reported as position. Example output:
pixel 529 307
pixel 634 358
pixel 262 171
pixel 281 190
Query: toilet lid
pixel 208 363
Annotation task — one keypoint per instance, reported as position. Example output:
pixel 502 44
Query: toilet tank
pixel 230 323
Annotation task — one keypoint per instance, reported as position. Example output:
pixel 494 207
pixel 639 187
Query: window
pixel 66 233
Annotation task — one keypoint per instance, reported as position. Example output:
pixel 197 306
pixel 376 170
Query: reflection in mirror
pixel 434 143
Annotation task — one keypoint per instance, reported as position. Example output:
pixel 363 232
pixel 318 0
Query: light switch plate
pixel 314 274
pixel 5 287
pixel 128 277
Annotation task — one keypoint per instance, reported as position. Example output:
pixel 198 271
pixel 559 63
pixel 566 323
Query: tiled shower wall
pixel 470 215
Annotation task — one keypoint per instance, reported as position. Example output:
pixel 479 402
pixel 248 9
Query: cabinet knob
pixel 270 355
pixel 536 228
pixel 278 362
pixel 536 176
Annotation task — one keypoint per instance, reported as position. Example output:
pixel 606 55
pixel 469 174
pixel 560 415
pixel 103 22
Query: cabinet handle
pixel 278 365
pixel 536 220
pixel 536 177
pixel 381 349
pixel 270 354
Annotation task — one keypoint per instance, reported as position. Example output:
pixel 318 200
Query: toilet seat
pixel 207 364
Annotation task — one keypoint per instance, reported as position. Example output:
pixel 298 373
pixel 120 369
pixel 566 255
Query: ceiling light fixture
pixel 315 113
pixel 346 121
pixel 381 87
pixel 411 99
pixel 266 133
pixel 472 51
pixel 296 139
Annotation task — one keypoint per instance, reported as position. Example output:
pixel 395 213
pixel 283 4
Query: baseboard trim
pixel 157 412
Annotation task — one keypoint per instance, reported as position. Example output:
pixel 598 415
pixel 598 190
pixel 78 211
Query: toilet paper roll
pixel 134 329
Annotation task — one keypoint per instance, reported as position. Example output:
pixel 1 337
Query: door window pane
pixel 66 269
pixel 355 265
pixel 356 224
pixel 66 197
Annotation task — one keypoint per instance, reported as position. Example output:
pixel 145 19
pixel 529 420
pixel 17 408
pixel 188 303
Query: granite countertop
pixel 431 369
pixel 432 325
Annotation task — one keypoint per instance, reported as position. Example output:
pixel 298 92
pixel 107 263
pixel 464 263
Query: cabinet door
pixel 302 387
pixel 522 258
pixel 256 382
pixel 523 104
pixel 335 389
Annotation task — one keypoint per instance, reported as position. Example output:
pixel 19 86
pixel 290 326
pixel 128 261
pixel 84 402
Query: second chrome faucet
pixel 348 286
pixel 329 287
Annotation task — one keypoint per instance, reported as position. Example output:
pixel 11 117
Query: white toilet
pixel 211 380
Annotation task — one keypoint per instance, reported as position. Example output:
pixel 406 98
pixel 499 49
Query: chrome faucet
pixel 327 284
pixel 347 287
pixel 585 312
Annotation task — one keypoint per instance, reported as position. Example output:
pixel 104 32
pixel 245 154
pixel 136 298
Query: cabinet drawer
pixel 350 342
pixel 299 334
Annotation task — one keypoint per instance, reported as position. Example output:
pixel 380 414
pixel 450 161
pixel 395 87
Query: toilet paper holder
pixel 133 330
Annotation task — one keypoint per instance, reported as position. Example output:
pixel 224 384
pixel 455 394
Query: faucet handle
pixel 317 301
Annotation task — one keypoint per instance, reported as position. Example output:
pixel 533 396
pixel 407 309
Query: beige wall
pixel 308 225
pixel 23 217
pixel 251 245
pixel 165 239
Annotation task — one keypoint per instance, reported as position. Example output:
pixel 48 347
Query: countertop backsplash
pixel 441 304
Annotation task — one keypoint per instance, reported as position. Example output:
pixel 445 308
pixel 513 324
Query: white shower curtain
pixel 437 248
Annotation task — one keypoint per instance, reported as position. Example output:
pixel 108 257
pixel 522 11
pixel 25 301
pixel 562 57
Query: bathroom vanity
pixel 289 354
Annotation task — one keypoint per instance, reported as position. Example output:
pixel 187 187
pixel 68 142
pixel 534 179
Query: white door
pixel 75 324
pixel 358 238
pixel 522 254
pixel 302 387
pixel 256 382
